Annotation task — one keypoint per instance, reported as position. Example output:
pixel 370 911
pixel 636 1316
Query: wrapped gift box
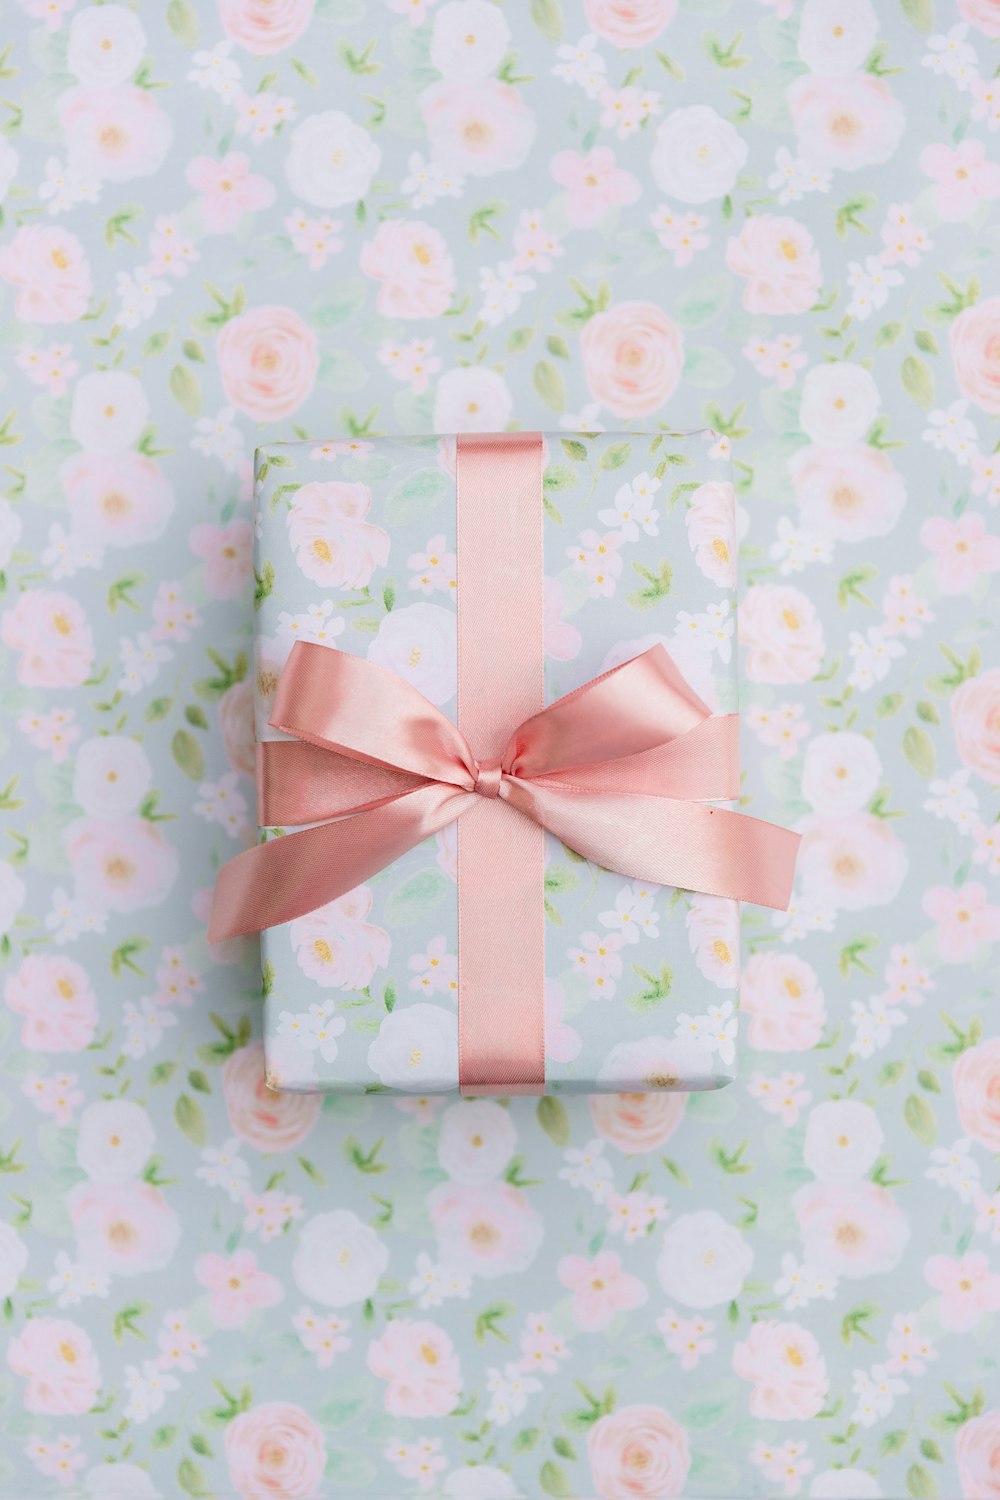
pixel 640 980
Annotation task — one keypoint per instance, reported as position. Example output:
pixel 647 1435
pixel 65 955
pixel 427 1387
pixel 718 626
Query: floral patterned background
pixel 326 218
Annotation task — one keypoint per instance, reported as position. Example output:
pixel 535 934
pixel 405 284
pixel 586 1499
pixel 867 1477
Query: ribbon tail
pixel 298 782
pixel 298 872
pixel 691 845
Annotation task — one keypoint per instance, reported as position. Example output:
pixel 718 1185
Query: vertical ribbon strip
pixel 501 853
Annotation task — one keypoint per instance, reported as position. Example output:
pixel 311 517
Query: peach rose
pixel 264 26
pixel 630 23
pixel 122 864
pixel 975 720
pixel 711 528
pixel 851 494
pixel 268 359
pixel 60 1365
pixel 237 725
pixel 53 635
pixel 977 1446
pixel 784 634
pixel 336 947
pixel 850 862
pixel 51 272
pixel 57 1001
pixel 848 121
pixel 975 353
pixel 416 272
pixel 419 1361
pixel 638 1453
pixel 334 545
pixel 782 996
pixel 275 1451
pixel 477 127
pixel 976 1081
pixel 787 1369
pixel 267 1120
pixel 850 1229
pixel 637 1122
pixel 633 355
pixel 125 1228
pixel 778 256
pixel 986 15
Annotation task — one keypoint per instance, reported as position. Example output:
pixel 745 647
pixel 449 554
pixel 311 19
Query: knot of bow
pixel 624 770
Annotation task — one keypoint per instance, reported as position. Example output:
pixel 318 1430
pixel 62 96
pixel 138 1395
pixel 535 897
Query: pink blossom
pixel 688 1338
pixel 637 1123
pixel 600 1288
pixel 962 178
pixel 323 1336
pixel 562 640
pixel 51 272
pixel 909 1349
pixel 55 1094
pixel 541 1348
pixel 965 919
pixel 777 358
pixel 53 366
pixel 784 1095
pixel 535 246
pixel 964 550
pixel 906 613
pixel 680 233
pixel 54 731
pixel 114 133
pixel 968 1288
pixel 172 254
pixel 52 633
pixel 316 239
pixel 783 998
pixel 435 970
pixel 228 190
pixel 781 727
pixel 594 184
pixel 420 1365
pixel 228 554
pixel 413 363
pixel 412 262
pixel 238 1288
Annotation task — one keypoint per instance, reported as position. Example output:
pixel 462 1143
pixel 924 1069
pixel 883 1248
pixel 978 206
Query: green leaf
pixel 555 1481
pixel 926 341
pixel 707 368
pixel 188 754
pixel 918 382
pixel 920 13
pixel 888 334
pixel 185 389
pixel 920 1118
pixel 893 1442
pixel 183 22
pixel 519 340
pixel 557 346
pixel 616 455
pixel 191 1119
pixel 553 1117
pixel 196 716
pixel 547 16
pixel 415 898
pixel 918 747
pixel 888 705
pixel 550 385
pixel 263 584
pixel 891 1072
pixel 930 1449
pixel 704 301
pixel 415 497
pixel 158 709
pixel 560 477
pixel 156 343
pixel 575 450
pixel 920 1483
pixel 163 1437
pixel 527 1438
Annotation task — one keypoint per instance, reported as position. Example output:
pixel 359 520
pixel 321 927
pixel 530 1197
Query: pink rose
pixel 851 494
pixel 477 128
pixel 975 720
pixel 976 1081
pixel 236 721
pixel 782 996
pixel 713 930
pixel 420 1363
pixel 630 23
pixel 977 1446
pixel 850 861
pixel 638 1453
pixel 228 554
pixel 117 499
pixel 850 1229
pixel 593 184
pixel 711 528
pixel 268 359
pixel 969 1289
pixel 51 272
pixel 962 177
pixel 336 947
pixel 485 1229
pixel 986 15
pixel 264 26
pixel 53 636
pixel 58 1004
pixel 637 1123
pixel 964 549
pixel 116 133
pixel 975 353
pixel 783 633
pixel 127 1228
pixel 848 120
pixel 228 190
pixel 238 1288
pixel 966 918
pixel 633 355
pixel 275 1451
pixel 264 1118
pixel 779 258
pixel 124 864
pixel 412 262
pixel 334 545
pixel 787 1369
pixel 60 1365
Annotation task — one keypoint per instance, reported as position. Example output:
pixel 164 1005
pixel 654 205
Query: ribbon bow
pixel 623 771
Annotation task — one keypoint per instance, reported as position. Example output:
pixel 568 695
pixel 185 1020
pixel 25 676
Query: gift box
pixel 496 704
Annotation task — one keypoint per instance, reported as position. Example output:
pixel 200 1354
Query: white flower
pixel 331 160
pixel 953 799
pixel 64 187
pixel 477 1140
pixel 955 1167
pixel 67 553
pixel 469 40
pixel 110 407
pixel 635 913
pixel 148 1389
pixel 13 1259
pixel 843 1140
pixel 717 1030
pixel 219 437
pixel 698 155
pixel 222 802
pixel 339 1259
pixel 799 1285
pixel 106 45
pixel 582 64
pixel 841 772
pixel 588 1168
pixel 836 36
pixel 472 398
pixel 509 1390
pixel 502 289
pixel 317 1028
pixel 873 654
pixel 216 69
pixel 433 1283
pixel 870 286
pixel 71 1282
pixel 633 509
pixel 428 181
pixel 111 777
pixel 876 1393
pixel 11 896
pixel 792 177
pixel 949 54
pixel 703 1261
pixel 795 547
pixel 873 1024
pixel 417 1049
pixel 144 1026
pixel 115 1140
pixel 839 403
pixel 418 644
pixel 318 623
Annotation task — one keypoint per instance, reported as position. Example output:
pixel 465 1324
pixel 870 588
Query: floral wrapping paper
pixel 355 549
pixel 787 1287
